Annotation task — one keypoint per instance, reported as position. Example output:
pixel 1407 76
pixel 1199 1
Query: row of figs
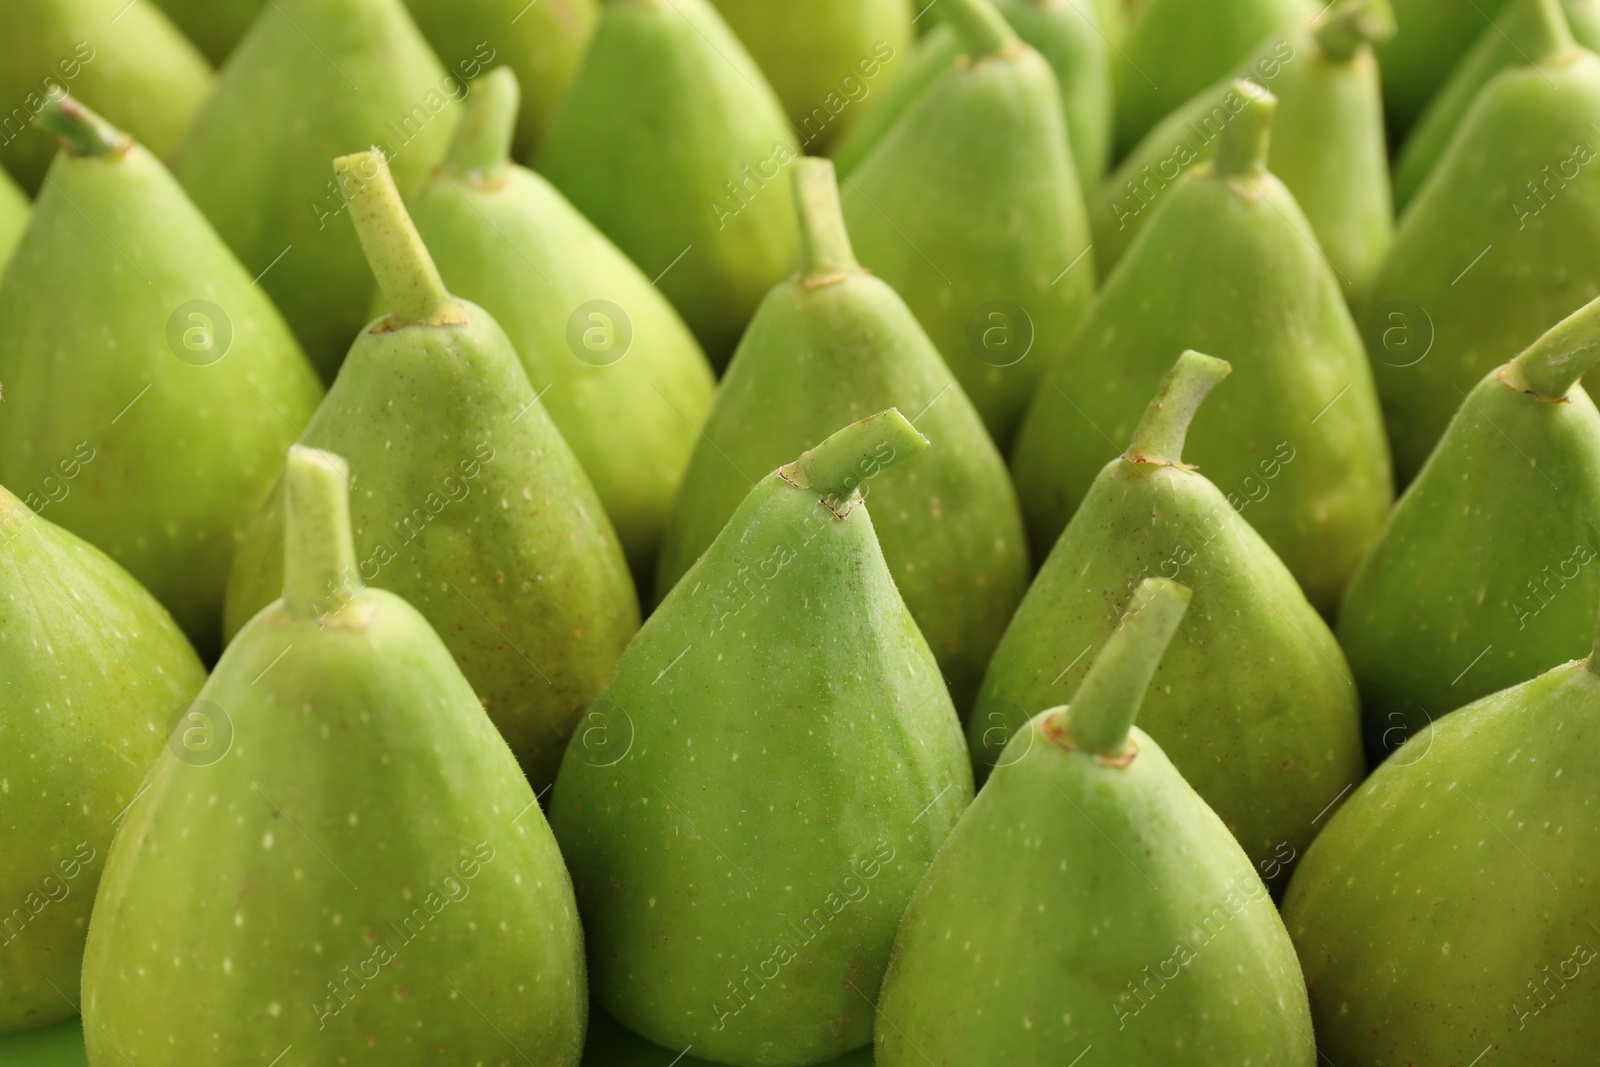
pixel 438 732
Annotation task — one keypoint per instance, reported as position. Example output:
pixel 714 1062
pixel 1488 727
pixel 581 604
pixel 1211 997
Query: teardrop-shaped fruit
pixel 467 502
pixel 1501 241
pixel 95 673
pixel 751 802
pixel 128 332
pixel 1433 36
pixel 60 1045
pixel 1328 146
pixel 1227 265
pixel 1089 899
pixel 610 1044
pixel 543 43
pixel 1175 48
pixel 126 60
pixel 217 26
pixel 1448 911
pixel 14 209
pixel 314 79
pixel 828 347
pixel 365 875
pixel 1488 571
pixel 812 54
pixel 619 373
pixel 1065 32
pixel 671 141
pixel 1506 43
pixel 1254 702
pixel 969 208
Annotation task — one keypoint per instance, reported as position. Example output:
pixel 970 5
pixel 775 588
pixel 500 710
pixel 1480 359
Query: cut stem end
pixel 319 555
pixel 1103 710
pixel 1242 148
pixel 1161 432
pixel 838 466
pixel 1552 365
pixel 405 271
pixel 825 244
pixel 81 131
pixel 482 142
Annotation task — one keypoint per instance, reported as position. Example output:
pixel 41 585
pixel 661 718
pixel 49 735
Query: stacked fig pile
pixel 632 533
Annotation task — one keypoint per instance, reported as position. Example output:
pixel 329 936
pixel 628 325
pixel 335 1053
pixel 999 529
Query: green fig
pixel 1089 899
pixel 1327 144
pixel 619 373
pixel 60 1045
pixel 130 332
pixel 367 816
pixel 1504 44
pixel 126 60
pixel 1175 48
pixel 14 209
pixel 217 26
pixel 95 672
pixel 969 208
pixel 829 347
pixel 467 501
pixel 1065 32
pixel 1228 265
pixel 543 43
pixel 744 839
pixel 1510 501
pixel 1257 709
pixel 671 141
pixel 813 55
pixel 1433 37
pixel 1501 241
pixel 312 80
pixel 610 1044
pixel 1448 914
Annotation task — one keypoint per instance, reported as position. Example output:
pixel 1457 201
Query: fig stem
pixel 482 142
pixel 981 27
pixel 1347 25
pixel 825 243
pixel 839 465
pixel 1242 148
pixel 406 274
pixel 1553 364
pixel 1549 33
pixel 80 131
pixel 1102 712
pixel 319 554
pixel 1162 429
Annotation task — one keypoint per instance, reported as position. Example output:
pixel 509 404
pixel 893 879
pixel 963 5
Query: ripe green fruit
pixel 543 43
pixel 60 1045
pixel 935 211
pixel 1501 241
pixel 1328 146
pixel 950 526
pixel 1487 571
pixel 673 144
pixel 1256 706
pixel 609 1044
pixel 1175 48
pixel 216 26
pixel 14 209
pixel 1433 36
pixel 1504 44
pixel 312 80
pixel 126 60
pixel 816 55
pixel 95 671
pixel 738 894
pixel 622 378
pixel 1065 32
pixel 150 389
pixel 364 876
pixel 1227 265
pixel 1125 919
pixel 1448 912
pixel 467 501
